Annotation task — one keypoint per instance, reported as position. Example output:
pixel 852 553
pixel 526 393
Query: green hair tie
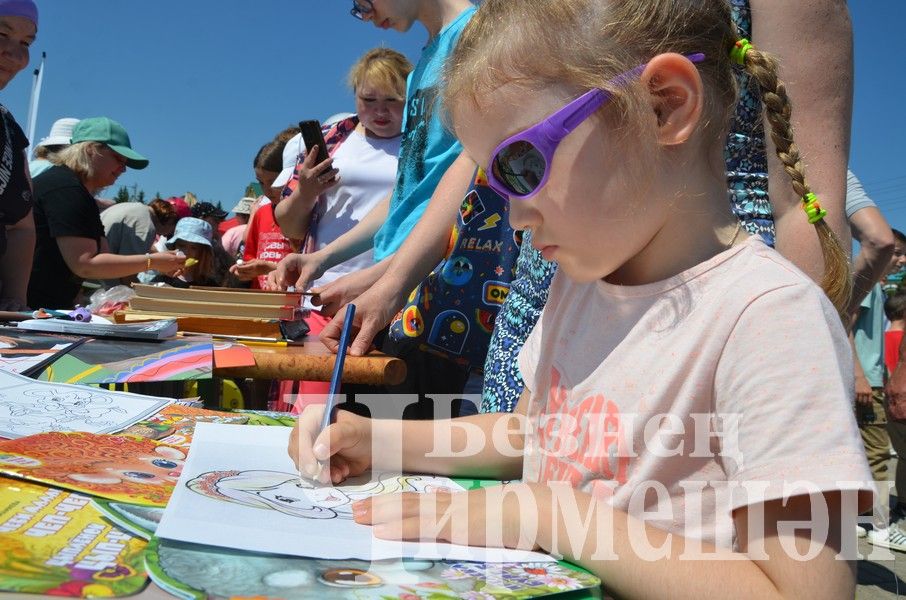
pixel 812 208
pixel 739 51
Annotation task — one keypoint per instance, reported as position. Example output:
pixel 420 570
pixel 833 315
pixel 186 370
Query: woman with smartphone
pixel 323 199
pixel 334 187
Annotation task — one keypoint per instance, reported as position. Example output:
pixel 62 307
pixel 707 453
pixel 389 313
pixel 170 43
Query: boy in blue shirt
pixel 431 164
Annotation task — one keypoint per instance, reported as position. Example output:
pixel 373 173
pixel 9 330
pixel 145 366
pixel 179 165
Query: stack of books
pixel 218 302
pixel 218 310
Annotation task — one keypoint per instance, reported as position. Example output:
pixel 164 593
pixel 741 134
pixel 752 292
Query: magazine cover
pixel 55 542
pixel 196 572
pixel 123 468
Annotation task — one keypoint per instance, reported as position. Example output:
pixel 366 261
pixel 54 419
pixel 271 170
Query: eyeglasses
pixel 360 8
pixel 519 165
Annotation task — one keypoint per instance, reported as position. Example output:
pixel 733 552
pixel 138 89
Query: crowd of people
pixel 573 270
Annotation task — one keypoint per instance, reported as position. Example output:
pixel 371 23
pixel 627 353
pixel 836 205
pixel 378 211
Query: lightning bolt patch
pixel 490 222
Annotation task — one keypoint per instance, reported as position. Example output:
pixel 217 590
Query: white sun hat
pixel 60 132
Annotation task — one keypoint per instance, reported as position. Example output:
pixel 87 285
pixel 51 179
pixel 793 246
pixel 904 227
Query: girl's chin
pixel 383 130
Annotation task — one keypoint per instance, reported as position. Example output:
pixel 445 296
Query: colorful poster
pixel 127 361
pixel 198 572
pixel 28 407
pixel 123 468
pixel 239 489
pixel 56 543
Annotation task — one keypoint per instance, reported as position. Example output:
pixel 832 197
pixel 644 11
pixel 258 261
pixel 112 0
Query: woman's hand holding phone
pixel 316 178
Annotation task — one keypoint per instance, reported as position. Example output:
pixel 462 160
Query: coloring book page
pixel 28 407
pixel 239 489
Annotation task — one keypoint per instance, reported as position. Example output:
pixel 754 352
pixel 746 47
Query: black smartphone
pixel 312 136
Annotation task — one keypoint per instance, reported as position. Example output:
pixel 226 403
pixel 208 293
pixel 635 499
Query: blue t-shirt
pixel 868 334
pixel 427 148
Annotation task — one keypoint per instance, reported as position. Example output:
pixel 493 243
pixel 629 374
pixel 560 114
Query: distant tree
pixel 122 195
pixel 130 194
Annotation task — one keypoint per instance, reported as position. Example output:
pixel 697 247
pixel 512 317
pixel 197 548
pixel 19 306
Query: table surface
pixel 313 362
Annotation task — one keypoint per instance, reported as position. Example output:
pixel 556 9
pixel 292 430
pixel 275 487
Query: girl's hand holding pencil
pixel 340 451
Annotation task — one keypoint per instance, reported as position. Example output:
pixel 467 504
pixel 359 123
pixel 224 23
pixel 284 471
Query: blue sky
pixel 201 84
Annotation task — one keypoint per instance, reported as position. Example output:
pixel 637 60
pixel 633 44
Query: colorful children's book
pixel 28 407
pixel 27 353
pixel 269 417
pixel 175 424
pixel 56 543
pixel 239 489
pixel 123 468
pixel 140 521
pixel 130 361
pixel 197 572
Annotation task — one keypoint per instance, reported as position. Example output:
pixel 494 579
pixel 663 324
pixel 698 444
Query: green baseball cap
pixel 109 132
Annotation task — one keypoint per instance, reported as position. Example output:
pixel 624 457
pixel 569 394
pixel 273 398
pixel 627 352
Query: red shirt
pixel 227 225
pixel 892 341
pixel 265 241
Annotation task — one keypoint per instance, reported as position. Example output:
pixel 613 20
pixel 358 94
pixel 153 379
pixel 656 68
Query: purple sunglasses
pixel 518 167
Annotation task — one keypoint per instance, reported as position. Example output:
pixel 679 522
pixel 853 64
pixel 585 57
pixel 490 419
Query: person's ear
pixel 677 97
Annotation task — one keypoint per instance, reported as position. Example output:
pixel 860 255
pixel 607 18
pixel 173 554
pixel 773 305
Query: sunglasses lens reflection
pixel 519 167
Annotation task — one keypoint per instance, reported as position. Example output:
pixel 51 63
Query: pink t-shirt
pixel 691 397
pixel 233 238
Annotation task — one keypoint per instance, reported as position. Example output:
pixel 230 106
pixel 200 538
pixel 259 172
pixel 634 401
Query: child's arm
pixel 485 445
pixel 822 113
pixel 876 246
pixel 302 269
pixel 634 560
pixel 667 564
pixel 419 253
pixel 16 263
pixel 293 213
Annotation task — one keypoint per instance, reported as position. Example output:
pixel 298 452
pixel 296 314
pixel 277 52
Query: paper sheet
pixel 239 489
pixel 28 407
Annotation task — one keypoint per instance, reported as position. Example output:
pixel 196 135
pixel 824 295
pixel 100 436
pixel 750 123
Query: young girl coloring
pixel 688 402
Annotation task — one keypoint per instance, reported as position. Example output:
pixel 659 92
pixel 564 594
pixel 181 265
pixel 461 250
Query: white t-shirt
pixel 367 167
pixel 631 385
